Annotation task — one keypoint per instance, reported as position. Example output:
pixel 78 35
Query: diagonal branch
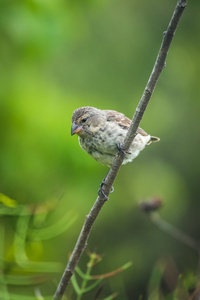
pixel 107 186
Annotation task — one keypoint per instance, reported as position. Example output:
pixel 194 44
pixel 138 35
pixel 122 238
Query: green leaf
pixel 7 201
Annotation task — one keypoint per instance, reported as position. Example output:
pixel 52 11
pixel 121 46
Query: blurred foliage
pixel 25 241
pixel 60 55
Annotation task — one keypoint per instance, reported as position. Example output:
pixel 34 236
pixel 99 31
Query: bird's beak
pixel 75 128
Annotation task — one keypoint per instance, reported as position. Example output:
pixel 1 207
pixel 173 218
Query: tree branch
pixel 107 186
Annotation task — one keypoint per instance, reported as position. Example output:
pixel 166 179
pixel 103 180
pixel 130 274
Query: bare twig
pixel 106 187
pixel 174 232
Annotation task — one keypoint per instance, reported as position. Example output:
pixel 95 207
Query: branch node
pixel 69 271
pixel 138 109
pixel 183 4
pixel 148 91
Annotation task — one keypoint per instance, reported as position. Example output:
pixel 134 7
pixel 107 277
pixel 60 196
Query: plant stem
pixel 85 280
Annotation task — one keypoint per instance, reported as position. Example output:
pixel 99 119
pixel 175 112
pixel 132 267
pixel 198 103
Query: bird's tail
pixel 153 139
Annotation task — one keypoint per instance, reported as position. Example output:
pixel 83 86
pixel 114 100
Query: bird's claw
pixel 121 149
pixel 112 189
pixel 100 191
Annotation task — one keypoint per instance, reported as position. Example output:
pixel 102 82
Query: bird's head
pixel 86 121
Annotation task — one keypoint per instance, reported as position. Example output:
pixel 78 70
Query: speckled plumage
pixel 102 131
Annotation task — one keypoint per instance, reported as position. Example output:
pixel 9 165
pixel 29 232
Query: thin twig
pixel 175 232
pixel 106 187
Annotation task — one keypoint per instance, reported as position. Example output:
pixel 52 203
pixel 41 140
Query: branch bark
pixel 107 186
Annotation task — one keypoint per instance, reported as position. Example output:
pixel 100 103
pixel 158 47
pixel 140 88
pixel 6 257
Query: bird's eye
pixel 84 120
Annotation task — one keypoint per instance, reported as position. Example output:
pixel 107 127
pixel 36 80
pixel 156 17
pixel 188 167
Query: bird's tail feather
pixel 153 139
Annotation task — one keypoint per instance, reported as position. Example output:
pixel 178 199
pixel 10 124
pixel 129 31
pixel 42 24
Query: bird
pixel 101 134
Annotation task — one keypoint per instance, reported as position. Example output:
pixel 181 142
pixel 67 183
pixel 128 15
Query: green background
pixel 59 55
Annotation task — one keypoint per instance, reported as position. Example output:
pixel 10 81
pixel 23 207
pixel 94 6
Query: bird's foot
pixel 121 150
pixel 101 192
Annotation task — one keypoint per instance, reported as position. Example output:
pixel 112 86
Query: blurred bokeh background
pixel 55 57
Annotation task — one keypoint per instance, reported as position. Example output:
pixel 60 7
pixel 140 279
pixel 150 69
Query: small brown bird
pixel 101 132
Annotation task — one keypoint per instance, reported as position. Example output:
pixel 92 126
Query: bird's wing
pixel 142 132
pixel 119 118
pixel 122 121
